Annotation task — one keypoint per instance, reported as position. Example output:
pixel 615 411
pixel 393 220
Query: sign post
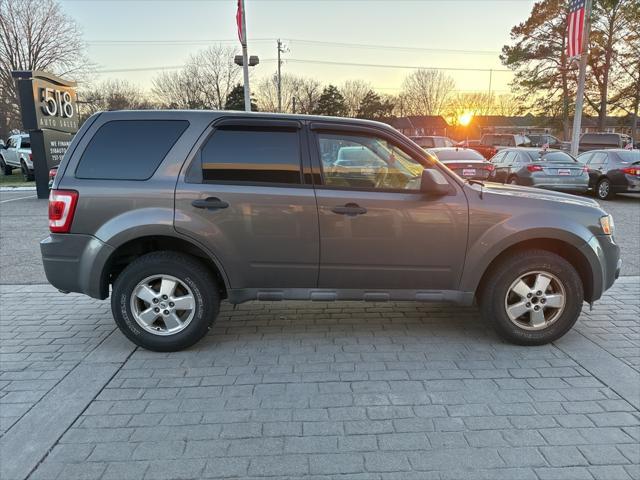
pixel 49 114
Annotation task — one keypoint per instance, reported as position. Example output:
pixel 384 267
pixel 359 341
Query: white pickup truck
pixel 17 154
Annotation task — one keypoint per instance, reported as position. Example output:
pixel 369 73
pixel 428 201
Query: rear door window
pixel 598 160
pixel 129 149
pixel 252 155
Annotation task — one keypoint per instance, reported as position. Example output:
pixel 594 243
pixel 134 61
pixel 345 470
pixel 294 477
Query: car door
pixel 386 235
pixel 245 199
pixel 11 153
pixel 503 168
pixel 597 167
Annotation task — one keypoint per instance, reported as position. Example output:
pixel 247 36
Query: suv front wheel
pixel 165 301
pixel 532 297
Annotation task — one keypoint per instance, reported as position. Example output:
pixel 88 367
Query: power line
pixel 393 47
pixel 169 42
pixel 382 65
pixel 292 40
pixel 322 62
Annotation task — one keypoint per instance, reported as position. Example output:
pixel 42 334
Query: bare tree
pixel 217 74
pixel 205 81
pixel 112 94
pixel 299 94
pixel 178 90
pixel 354 92
pixel 426 92
pixel 35 35
pixel 507 105
pixel 476 103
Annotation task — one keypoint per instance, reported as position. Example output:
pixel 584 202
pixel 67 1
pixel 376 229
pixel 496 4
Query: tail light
pixel 52 173
pixel 534 168
pixel 490 167
pixel 30 157
pixel 62 206
pixel 585 169
pixel 632 171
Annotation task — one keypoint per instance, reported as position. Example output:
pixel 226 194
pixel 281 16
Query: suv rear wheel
pixel 165 301
pixel 532 297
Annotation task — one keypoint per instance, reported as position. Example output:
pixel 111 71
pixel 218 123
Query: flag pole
pixel 577 115
pixel 245 60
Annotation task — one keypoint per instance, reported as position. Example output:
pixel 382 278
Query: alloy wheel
pixel 535 300
pixel 603 189
pixel 162 305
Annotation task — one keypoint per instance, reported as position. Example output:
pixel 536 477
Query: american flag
pixel 575 30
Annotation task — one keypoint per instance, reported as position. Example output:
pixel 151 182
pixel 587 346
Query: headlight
pixel 606 223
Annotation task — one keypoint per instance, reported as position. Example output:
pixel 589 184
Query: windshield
pixel 552 157
pixel 457 154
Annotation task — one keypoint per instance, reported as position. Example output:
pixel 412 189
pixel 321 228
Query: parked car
pixel 176 210
pixel 52 175
pixel 599 141
pixel 491 143
pixel 467 163
pixel 551 169
pixel 541 139
pixel 433 141
pixel 612 171
pixel 17 154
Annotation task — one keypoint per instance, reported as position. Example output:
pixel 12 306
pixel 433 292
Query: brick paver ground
pixel 315 390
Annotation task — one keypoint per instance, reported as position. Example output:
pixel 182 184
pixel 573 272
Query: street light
pixel 253 60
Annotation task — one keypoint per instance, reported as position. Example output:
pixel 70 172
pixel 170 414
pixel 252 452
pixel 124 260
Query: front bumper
pixel 606 263
pixel 76 263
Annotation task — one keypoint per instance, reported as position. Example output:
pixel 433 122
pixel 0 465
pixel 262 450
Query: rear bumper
pixel 562 184
pixel 75 263
pixel 632 185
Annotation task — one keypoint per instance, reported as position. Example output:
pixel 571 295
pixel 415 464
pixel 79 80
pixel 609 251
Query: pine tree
pixel 331 103
pixel 373 107
pixel 235 100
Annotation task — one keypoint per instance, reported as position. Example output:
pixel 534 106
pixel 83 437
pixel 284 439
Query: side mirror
pixel 433 182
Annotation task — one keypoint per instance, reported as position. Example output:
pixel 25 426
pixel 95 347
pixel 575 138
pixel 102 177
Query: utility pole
pixel 279 79
pixel 245 59
pixel 577 116
pixel 489 102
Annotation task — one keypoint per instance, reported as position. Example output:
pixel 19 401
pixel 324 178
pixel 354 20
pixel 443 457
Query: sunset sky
pixel 452 34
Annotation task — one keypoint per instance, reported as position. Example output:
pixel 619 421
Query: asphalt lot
pixel 23 223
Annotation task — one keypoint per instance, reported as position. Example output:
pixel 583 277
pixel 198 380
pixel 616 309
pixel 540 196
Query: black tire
pixel 185 268
pixel 603 189
pixel 498 281
pixel 6 169
pixel 27 175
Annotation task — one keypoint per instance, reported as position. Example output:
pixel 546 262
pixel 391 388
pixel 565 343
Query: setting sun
pixel 465 119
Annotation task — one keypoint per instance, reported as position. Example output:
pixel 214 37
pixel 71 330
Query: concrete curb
pixel 17 189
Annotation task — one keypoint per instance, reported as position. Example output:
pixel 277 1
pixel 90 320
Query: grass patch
pixel 14 180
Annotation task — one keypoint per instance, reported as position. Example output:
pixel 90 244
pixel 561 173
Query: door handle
pixel 350 209
pixel 211 203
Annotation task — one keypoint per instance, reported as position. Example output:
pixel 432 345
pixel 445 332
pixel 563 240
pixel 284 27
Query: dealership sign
pixel 49 113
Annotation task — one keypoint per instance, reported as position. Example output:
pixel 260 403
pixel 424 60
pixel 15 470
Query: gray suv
pixel 178 210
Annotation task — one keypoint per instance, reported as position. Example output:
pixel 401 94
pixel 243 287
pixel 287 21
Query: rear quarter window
pixel 129 149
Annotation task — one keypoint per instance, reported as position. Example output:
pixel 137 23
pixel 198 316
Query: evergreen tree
pixel 331 103
pixel 235 100
pixel 373 107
